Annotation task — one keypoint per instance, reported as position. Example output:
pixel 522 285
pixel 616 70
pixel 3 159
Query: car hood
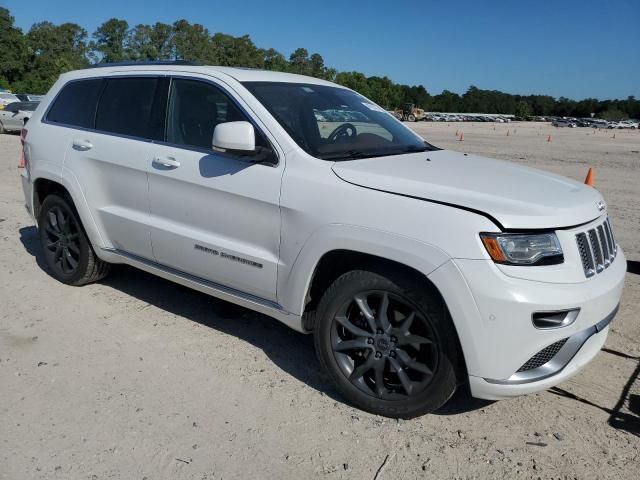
pixel 516 197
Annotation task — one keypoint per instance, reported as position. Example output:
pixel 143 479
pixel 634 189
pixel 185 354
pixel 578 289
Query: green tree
pixel 447 102
pixel 233 51
pixel 151 42
pixel 52 50
pixel 110 41
pixel 384 92
pixel 355 81
pixel 191 43
pixel 613 114
pixel 299 62
pixel 13 50
pixel 32 62
pixel 274 60
pixel 523 109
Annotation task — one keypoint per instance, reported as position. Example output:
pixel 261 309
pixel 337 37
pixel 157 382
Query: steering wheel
pixel 344 131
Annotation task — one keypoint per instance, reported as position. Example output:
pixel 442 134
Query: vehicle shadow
pixel 291 351
pixel 31 243
pixel 625 414
pixel 633 266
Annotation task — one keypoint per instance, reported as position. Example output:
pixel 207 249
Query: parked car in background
pixel 628 124
pixel 6 98
pixel 16 115
pixel 28 97
pixel 583 122
pixel 597 123
pixel 563 122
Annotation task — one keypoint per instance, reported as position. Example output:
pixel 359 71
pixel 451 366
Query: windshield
pixel 333 123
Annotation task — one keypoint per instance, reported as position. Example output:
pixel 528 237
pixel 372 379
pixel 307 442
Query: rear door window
pixel 134 107
pixel 75 105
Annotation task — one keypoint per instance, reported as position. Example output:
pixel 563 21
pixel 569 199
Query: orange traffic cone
pixel 614 136
pixel 549 138
pixel 457 132
pixel 507 133
pixel 461 137
pixel 589 179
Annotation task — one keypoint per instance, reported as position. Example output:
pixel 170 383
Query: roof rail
pixel 133 63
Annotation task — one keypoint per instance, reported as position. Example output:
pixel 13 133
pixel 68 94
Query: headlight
pixel 523 249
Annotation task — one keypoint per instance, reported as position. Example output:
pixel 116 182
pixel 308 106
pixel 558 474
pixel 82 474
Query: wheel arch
pixel 335 262
pixel 46 184
pixel 353 246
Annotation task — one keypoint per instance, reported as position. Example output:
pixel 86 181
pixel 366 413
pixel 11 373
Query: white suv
pixel 417 269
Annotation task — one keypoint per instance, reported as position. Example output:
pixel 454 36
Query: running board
pixel 252 302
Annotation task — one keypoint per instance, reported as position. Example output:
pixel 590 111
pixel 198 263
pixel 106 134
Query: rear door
pixel 111 159
pixel 214 215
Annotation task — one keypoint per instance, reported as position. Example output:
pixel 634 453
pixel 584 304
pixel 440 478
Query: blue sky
pixel 566 48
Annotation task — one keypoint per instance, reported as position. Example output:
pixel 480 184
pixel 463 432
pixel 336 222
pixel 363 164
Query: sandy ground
pixel 138 378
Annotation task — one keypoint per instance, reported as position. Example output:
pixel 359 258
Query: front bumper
pixel 492 313
pixel 481 388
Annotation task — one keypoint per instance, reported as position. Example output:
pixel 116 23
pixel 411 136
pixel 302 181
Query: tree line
pixel 31 62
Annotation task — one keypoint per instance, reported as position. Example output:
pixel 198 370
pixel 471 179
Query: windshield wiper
pixel 427 147
pixel 348 155
pixel 356 154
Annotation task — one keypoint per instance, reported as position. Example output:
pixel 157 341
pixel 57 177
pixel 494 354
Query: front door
pixel 213 215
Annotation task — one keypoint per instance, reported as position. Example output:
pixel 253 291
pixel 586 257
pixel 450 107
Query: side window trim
pixel 103 87
pixel 164 142
pixel 243 110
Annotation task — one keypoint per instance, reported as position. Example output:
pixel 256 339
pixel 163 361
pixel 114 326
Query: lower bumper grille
pixel 543 356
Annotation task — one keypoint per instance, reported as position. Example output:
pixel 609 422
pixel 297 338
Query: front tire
pixel 67 250
pixel 387 343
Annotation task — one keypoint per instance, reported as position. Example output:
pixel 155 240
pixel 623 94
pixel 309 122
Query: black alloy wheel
pixel 387 341
pixel 383 345
pixel 67 250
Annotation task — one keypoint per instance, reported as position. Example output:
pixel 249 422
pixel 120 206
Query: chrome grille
pixel 597 248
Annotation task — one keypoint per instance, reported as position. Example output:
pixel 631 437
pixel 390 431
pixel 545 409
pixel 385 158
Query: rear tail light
pixel 23 158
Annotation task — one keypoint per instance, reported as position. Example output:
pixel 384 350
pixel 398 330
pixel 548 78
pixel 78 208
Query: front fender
pixel 294 283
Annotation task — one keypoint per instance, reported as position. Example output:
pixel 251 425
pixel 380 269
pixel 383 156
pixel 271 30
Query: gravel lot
pixel 138 378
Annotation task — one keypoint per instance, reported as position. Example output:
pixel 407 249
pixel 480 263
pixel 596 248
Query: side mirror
pixel 234 136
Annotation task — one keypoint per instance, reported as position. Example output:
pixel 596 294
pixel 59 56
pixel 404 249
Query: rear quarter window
pixel 76 103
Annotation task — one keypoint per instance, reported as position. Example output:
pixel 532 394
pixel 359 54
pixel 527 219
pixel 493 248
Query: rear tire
pixel 387 342
pixel 67 250
pixel 411 118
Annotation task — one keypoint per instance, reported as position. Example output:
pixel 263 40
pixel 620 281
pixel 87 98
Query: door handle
pixel 82 145
pixel 166 162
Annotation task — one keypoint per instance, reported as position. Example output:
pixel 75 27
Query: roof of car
pixel 238 73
